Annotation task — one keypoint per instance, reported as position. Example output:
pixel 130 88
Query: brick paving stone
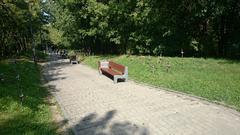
pixel 94 105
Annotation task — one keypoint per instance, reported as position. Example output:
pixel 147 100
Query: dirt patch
pixel 58 119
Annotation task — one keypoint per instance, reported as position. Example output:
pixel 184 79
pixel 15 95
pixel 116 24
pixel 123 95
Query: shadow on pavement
pixel 53 71
pixel 94 125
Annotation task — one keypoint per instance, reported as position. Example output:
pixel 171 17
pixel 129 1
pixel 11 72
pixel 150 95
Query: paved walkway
pixel 94 105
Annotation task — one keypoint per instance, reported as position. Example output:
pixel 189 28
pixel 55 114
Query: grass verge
pixel 31 117
pixel 216 80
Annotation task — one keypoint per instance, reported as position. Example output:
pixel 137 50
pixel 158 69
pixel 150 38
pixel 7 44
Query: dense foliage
pixel 199 27
pixel 20 26
pixel 150 27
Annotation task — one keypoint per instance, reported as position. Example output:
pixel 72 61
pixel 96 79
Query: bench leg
pixel 126 79
pixel 74 62
pixel 115 79
pixel 100 72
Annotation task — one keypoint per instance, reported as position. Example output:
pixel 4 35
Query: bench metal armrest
pixel 126 71
pixel 103 64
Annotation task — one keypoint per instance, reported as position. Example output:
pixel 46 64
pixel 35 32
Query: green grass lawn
pixel 216 80
pixel 33 117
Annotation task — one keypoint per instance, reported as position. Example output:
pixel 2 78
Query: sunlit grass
pixel 216 80
pixel 33 116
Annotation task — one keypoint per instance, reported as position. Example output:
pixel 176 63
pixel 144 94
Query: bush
pixel 80 57
pixel 71 53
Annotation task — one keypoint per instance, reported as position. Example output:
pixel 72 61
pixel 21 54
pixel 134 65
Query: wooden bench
pixel 73 59
pixel 113 69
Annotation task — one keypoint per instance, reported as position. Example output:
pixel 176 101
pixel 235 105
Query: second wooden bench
pixel 117 71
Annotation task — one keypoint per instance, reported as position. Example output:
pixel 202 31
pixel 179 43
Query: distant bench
pixel 113 69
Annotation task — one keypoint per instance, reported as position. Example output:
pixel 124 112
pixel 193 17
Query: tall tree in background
pixel 200 27
pixel 16 18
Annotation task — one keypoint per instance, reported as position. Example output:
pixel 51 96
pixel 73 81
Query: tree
pixel 16 17
pixel 200 27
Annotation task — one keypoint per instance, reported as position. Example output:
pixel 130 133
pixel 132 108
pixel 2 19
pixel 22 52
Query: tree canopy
pixel 20 23
pixel 201 28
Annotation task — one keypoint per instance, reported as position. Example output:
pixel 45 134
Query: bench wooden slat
pixel 111 72
pixel 117 71
pixel 115 66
